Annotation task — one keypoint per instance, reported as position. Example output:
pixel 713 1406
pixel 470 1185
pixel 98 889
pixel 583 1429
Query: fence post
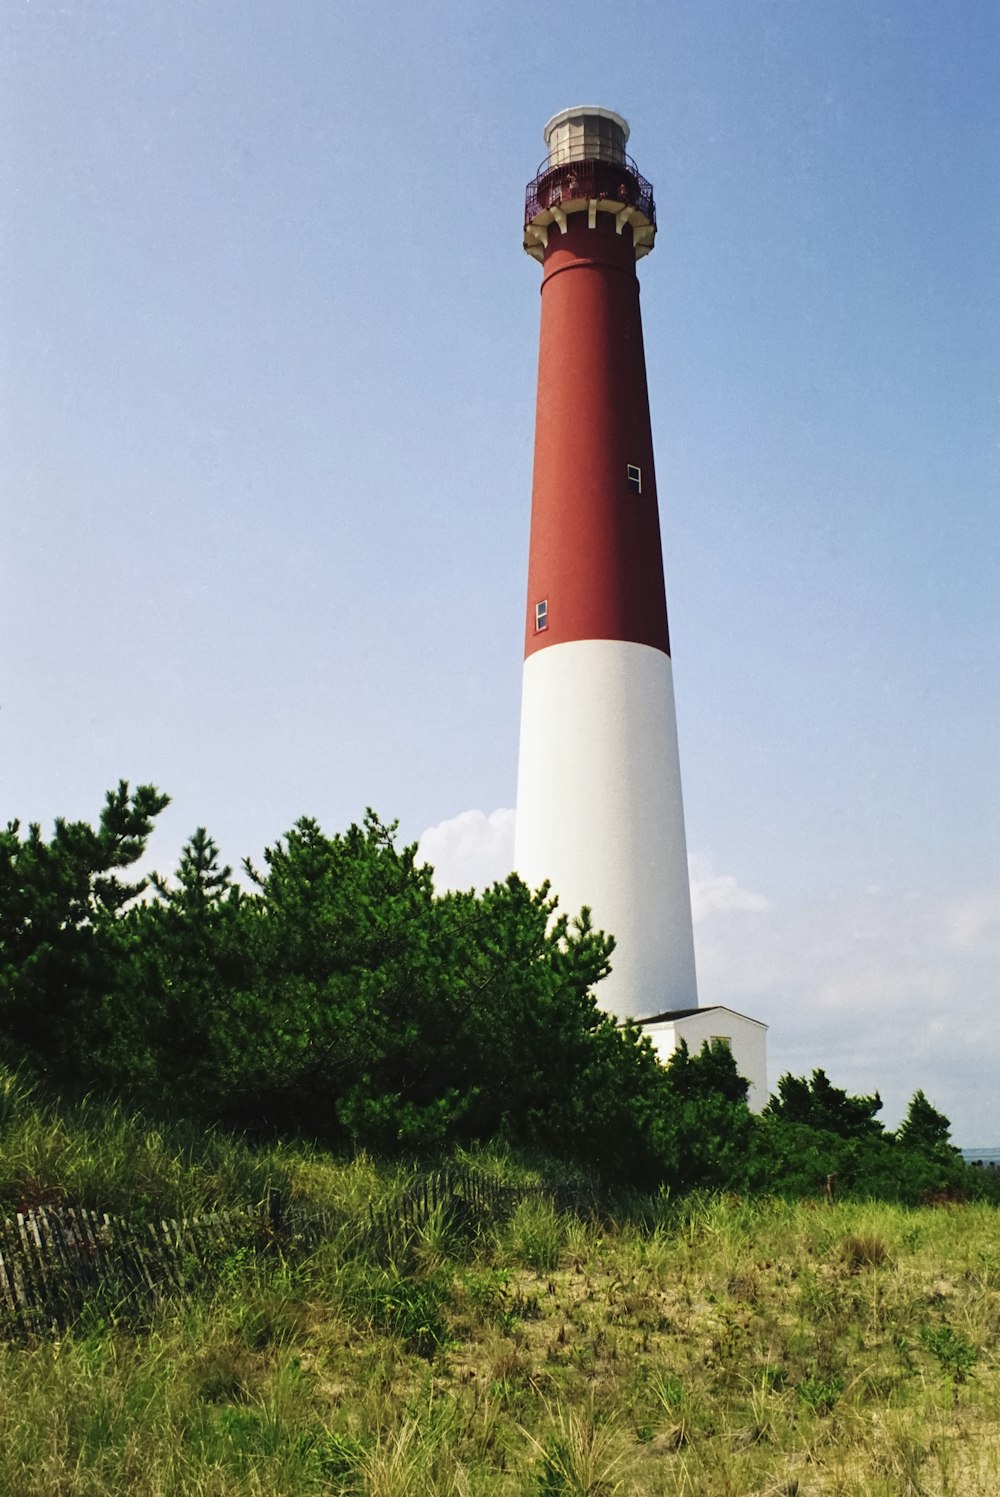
pixel 276 1213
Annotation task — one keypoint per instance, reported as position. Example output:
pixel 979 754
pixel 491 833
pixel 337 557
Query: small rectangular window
pixel 541 615
pixel 634 476
pixel 720 1042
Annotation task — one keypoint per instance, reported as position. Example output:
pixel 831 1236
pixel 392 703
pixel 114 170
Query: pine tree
pixel 817 1103
pixel 57 902
pixel 924 1127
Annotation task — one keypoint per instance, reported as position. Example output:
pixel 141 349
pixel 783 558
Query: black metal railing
pixel 592 177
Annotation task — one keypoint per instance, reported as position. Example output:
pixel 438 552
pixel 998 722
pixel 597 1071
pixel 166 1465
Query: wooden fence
pixel 57 1261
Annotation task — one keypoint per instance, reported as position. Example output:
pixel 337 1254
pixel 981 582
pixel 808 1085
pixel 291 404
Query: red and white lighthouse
pixel 599 811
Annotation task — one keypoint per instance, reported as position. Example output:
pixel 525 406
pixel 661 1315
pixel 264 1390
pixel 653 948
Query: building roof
pixel 676 1013
pixel 671 1014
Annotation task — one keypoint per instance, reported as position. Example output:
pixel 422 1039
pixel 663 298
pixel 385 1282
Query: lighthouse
pixel 599 809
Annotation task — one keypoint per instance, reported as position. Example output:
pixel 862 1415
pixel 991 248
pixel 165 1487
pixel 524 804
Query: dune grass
pixel 704 1346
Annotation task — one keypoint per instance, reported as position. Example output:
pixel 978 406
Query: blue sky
pixel 267 363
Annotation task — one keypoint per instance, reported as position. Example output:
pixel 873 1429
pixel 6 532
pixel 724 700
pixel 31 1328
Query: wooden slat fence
pixel 470 1198
pixel 55 1260
pixel 466 1196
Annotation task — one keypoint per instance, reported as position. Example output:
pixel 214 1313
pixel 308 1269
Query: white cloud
pixel 471 850
pixel 718 893
pixel 975 919
pixel 889 990
pixel 474 849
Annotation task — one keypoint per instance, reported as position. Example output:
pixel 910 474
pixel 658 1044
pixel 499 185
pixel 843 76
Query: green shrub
pixel 954 1353
pixel 412 1309
pixel 820 1392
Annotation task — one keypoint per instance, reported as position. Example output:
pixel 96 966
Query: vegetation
pixel 339 999
pixel 741 1316
pixel 708 1344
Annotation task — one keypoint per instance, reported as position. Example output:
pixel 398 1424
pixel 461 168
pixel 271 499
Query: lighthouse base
pixel 599 811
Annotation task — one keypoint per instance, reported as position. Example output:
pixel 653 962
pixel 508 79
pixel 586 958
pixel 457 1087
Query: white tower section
pixel 599 811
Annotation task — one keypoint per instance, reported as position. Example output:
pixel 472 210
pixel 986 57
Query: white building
pixel 746 1038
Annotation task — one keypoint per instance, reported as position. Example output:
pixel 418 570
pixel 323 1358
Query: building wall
pixel 747 1040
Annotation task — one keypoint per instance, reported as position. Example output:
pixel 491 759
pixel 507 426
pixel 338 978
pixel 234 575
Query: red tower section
pixel 595 530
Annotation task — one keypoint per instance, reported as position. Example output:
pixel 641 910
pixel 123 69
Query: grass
pixel 710 1346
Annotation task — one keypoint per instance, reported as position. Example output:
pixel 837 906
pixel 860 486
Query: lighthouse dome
pixel 586 133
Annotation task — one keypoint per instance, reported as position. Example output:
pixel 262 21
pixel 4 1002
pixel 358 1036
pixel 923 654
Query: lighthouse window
pixel 541 615
pixel 634 476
